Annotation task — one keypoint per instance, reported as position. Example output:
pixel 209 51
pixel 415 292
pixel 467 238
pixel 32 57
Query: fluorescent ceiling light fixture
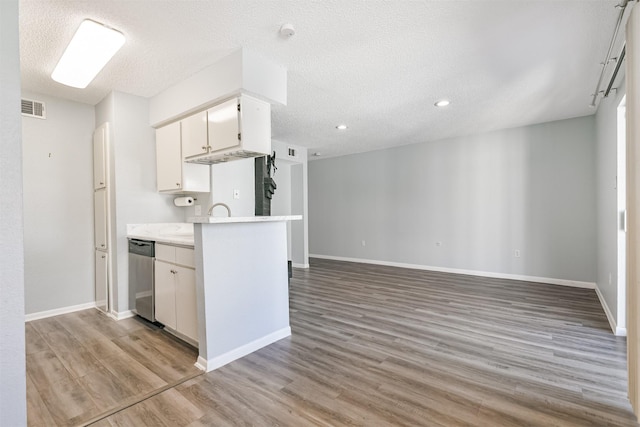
pixel 442 103
pixel 91 47
pixel 341 127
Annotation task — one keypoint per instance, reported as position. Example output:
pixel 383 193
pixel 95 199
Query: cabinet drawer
pixel 186 257
pixel 175 255
pixel 166 253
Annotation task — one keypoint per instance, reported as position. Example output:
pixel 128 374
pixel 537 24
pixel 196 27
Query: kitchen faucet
pixel 220 204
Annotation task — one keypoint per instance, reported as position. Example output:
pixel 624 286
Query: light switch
pixel 236 194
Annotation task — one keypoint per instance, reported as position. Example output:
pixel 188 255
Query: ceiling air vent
pixel 32 108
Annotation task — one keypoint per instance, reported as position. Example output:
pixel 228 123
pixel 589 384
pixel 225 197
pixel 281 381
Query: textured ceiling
pixel 377 66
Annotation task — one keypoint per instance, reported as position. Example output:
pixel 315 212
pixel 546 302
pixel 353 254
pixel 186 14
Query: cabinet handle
pixel 103 256
pixel 204 147
pixel 102 246
pixel 102 183
pixel 177 184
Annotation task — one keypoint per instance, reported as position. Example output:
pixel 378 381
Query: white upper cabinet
pixel 194 135
pixel 169 158
pixel 224 125
pixel 173 175
pixel 100 158
pixel 236 129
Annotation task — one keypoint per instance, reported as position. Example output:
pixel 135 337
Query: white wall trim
pixel 237 353
pixel 621 332
pixel 201 363
pixel 296 265
pixel 115 315
pixel 58 311
pixel 547 280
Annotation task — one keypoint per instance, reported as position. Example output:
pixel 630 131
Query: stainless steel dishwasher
pixel 141 279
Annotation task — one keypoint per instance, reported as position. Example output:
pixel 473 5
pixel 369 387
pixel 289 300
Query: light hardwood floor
pixel 82 364
pixel 382 346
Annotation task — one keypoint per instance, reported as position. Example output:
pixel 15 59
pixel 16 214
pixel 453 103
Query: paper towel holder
pixel 184 201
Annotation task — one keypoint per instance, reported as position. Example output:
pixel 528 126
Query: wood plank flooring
pixel 383 346
pixel 82 364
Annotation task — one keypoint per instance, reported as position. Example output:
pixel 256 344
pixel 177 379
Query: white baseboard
pixel 299 265
pixel 618 331
pixel 201 363
pixel 58 311
pixel 237 353
pixel 547 280
pixel 121 315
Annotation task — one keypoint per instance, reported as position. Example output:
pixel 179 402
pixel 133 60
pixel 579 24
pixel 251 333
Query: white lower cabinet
pixel 175 290
pixel 165 298
pixel 186 309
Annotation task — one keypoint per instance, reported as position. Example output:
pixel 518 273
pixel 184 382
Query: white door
pixel 169 158
pixel 194 135
pixel 165 295
pixel 224 125
pixel 102 280
pixel 100 218
pixel 186 310
pixel 100 157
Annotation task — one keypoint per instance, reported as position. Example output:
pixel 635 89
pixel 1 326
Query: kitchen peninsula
pixel 241 281
pixel 241 285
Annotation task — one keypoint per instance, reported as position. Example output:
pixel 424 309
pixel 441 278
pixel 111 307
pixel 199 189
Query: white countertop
pixel 181 233
pixel 175 233
pixel 237 219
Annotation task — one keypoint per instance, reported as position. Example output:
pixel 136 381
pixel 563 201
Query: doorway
pixel 621 321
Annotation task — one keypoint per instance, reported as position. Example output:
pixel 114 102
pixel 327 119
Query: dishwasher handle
pixel 142 247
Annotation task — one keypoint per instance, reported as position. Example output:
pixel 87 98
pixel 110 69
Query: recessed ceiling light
pixel 91 47
pixel 341 127
pixel 442 103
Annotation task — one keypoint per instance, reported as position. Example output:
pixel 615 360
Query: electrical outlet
pixel 236 194
pixel 364 243
pixel 198 210
pixel 516 253
pixel 438 243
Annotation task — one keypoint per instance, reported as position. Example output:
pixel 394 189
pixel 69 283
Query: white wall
pixel 607 212
pixel 291 198
pixel 13 406
pixel 483 197
pixel 134 174
pixel 281 201
pixel 58 205
pixel 226 177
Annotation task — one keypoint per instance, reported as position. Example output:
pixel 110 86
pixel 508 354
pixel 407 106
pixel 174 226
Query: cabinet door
pixel 100 218
pixel 99 158
pixel 194 135
pixel 165 295
pixel 169 158
pixel 224 125
pixel 186 310
pixel 101 281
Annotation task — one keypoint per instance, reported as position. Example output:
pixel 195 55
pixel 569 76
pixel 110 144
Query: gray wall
pixel 483 197
pixel 607 212
pixel 13 406
pixel 299 233
pixel 58 205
